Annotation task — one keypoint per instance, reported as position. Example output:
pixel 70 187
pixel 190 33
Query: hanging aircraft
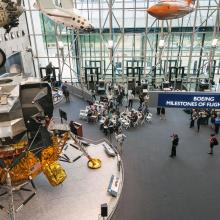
pixel 171 9
pixel 68 17
pixel 9 14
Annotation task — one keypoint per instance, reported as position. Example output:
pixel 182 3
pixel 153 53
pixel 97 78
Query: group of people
pixel 198 116
pixel 134 116
pixel 110 126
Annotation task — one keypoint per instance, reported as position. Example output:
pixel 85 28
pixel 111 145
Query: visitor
pixel 120 138
pixel 67 95
pixel 49 71
pixel 130 99
pixel 73 128
pixel 175 142
pixel 162 113
pixel 199 121
pixel 193 118
pixel 212 141
pixel 93 95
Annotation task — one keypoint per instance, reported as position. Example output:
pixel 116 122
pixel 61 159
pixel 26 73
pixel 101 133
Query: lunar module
pixel 29 142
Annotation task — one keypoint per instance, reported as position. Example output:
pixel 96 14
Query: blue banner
pixel 189 100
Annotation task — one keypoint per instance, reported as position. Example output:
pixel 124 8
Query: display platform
pixel 80 196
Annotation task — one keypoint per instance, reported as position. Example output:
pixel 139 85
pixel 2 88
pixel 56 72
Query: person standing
pixel 120 138
pixel 146 99
pixel 193 118
pixel 49 71
pixel 72 128
pixel 105 126
pixel 64 86
pixel 67 95
pixel 217 123
pixel 141 99
pixel 93 95
pixel 212 120
pixel 130 100
pixel 212 141
pixel 158 110
pixel 199 120
pixel 175 142
pixel 162 113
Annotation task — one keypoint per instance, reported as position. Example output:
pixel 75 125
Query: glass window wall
pixel 136 37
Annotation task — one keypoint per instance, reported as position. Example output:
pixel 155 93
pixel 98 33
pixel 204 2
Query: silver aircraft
pixel 68 17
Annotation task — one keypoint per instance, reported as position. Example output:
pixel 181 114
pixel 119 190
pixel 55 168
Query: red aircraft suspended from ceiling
pixel 171 9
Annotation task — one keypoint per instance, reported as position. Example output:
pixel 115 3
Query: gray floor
pixel 156 186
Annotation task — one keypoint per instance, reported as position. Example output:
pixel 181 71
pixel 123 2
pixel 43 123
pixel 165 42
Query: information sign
pixel 189 100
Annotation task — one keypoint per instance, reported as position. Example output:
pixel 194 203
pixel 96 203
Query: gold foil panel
pixel 54 173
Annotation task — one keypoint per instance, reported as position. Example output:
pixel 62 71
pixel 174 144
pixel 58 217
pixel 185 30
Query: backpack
pixel 215 141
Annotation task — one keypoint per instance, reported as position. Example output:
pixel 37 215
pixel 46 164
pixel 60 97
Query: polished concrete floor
pixel 156 186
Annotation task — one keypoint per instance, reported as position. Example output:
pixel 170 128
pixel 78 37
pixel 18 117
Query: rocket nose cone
pixel 150 10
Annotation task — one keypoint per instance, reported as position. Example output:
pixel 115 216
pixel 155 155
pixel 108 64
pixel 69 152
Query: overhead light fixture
pixel 60 44
pixel 110 44
pixel 161 44
pixel 214 43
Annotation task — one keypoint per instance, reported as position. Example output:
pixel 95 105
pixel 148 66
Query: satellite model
pixel 68 17
pixel 9 14
pixel 171 9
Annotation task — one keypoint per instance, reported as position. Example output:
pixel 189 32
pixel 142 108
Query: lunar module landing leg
pixel 93 163
pixel 10 190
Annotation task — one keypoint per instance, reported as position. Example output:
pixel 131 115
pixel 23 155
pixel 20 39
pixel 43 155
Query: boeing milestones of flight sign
pixel 189 100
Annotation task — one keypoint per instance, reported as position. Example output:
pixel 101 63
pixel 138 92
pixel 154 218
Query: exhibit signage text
pixel 189 100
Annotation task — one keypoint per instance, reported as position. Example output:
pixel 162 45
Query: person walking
pixel 175 142
pixel 67 95
pixel 212 142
